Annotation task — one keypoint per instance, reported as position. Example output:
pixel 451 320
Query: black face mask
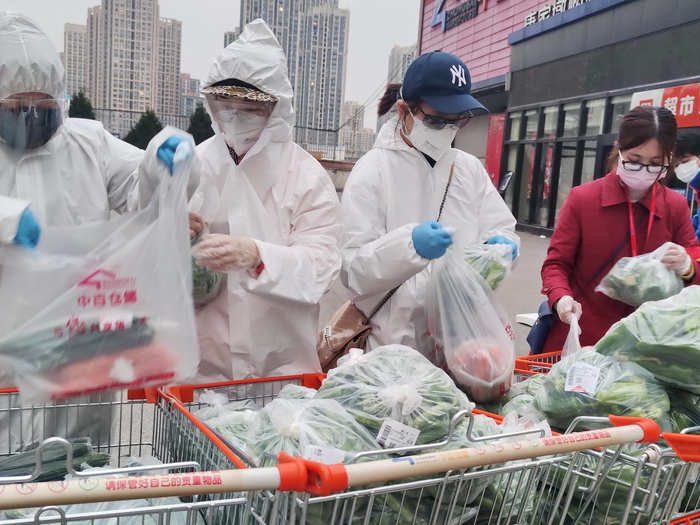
pixel 28 128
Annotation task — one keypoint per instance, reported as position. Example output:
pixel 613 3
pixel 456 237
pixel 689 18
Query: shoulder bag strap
pixel 389 295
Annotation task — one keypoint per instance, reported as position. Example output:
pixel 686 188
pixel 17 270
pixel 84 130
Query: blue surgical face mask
pixel 29 127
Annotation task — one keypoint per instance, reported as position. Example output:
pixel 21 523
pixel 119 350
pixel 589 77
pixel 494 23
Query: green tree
pixel 145 129
pixel 200 125
pixel 80 107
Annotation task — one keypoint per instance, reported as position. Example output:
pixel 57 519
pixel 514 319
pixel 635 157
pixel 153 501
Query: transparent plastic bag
pixel 396 382
pixel 317 429
pixel 469 329
pixel 206 285
pixel 102 306
pixel 663 337
pixel 572 343
pixel 590 384
pixel 492 261
pixel 636 280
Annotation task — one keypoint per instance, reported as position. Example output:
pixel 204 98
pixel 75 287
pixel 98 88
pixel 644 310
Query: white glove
pixel 566 308
pixel 196 225
pixel 677 260
pixel 224 253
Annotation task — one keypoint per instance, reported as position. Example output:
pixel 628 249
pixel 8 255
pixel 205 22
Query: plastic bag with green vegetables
pixel 492 261
pixel 395 382
pixel 318 429
pixel 663 337
pixel 206 285
pixel 590 384
pixel 636 280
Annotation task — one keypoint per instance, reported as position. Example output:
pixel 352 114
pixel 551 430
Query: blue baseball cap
pixel 442 81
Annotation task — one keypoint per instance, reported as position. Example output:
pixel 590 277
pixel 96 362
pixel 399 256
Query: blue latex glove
pixel 28 230
pixel 166 152
pixel 431 240
pixel 500 239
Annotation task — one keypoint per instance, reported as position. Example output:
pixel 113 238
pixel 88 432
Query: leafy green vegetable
pixel 47 349
pixel 623 389
pixel 636 280
pixel 206 284
pixel 396 382
pixel 53 465
pixel 296 392
pixel 685 409
pixel 492 261
pixel 663 337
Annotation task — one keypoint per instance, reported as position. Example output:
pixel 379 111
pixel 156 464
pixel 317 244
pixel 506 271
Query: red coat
pixel 591 225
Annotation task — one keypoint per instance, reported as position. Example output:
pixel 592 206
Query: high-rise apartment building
pixel 355 139
pixel 132 63
pixel 230 36
pixel 167 101
pixel 399 60
pixel 321 75
pixel 75 57
pixel 189 94
pixel 314 36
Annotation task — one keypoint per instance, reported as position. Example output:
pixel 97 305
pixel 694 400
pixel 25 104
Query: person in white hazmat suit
pixel 274 219
pixel 394 193
pixel 59 171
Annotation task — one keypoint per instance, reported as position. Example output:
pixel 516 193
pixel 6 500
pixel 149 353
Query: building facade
pixel 168 89
pixel 314 36
pixel 559 75
pixel 399 60
pixel 75 58
pixel 132 63
pixel 189 94
pixel 352 135
pixel 230 36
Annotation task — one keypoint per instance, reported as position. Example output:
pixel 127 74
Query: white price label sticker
pixel 583 378
pixel 327 455
pixel 394 434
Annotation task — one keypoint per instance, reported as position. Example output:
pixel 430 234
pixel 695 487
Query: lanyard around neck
pixel 633 228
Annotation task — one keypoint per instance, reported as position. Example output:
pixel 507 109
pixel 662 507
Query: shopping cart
pixel 530 365
pixel 124 425
pixel 518 492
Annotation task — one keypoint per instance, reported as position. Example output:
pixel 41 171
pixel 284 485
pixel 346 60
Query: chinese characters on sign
pixel 682 101
pixel 166 480
pixel 549 10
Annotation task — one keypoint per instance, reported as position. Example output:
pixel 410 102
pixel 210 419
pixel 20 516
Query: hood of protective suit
pixel 389 136
pixel 28 59
pixel 257 58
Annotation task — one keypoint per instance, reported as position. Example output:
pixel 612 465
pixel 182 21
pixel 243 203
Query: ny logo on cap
pixel 458 75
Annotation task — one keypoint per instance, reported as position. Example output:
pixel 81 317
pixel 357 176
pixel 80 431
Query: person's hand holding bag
pixel 677 259
pixel 196 225
pixel 567 309
pixel 224 253
pixel 431 240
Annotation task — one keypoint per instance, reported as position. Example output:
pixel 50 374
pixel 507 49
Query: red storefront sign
pixel 682 101
pixel 494 147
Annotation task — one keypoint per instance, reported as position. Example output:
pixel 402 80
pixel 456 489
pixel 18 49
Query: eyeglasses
pixel 436 122
pixel 654 169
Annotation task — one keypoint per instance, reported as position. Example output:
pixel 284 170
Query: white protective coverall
pixel 82 172
pixel 80 175
pixel 281 197
pixel 390 191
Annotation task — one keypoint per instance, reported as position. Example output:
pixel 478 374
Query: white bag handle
pixel 572 343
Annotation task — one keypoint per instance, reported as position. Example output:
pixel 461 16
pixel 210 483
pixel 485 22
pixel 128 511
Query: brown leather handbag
pixel 349 327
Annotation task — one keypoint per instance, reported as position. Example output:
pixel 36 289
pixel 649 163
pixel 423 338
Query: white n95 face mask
pixel 433 142
pixel 687 171
pixel 241 129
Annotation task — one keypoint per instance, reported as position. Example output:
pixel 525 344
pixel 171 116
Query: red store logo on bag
pixel 107 289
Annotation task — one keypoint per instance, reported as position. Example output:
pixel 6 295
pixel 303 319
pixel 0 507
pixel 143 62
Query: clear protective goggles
pixel 27 103
pixel 226 108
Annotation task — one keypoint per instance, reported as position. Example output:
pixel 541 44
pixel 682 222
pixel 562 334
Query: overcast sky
pixel 375 26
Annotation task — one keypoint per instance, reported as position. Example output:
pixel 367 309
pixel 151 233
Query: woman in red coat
pixel 628 212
